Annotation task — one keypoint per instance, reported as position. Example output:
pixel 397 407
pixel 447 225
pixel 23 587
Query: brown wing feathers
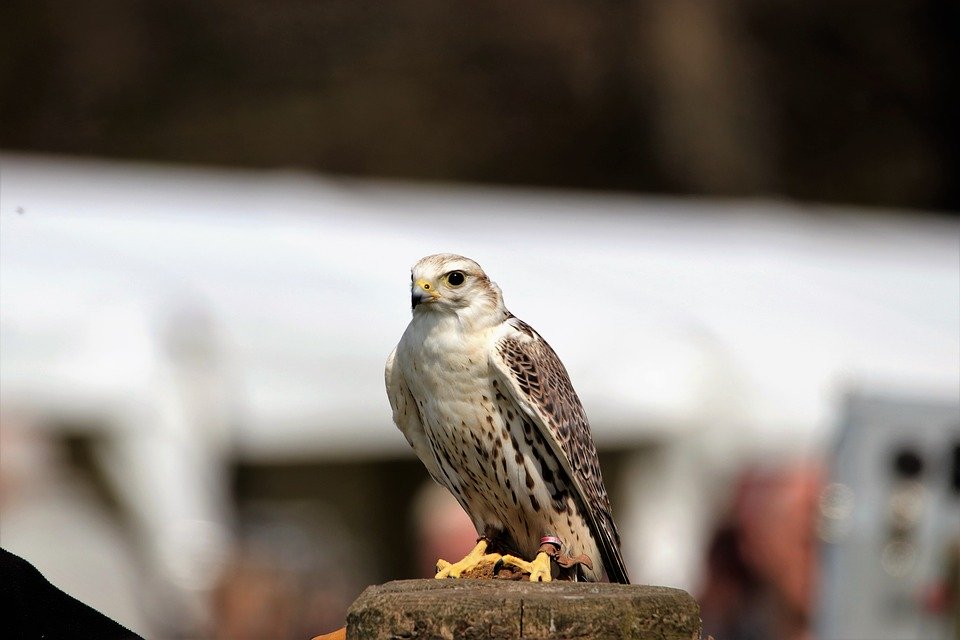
pixel 543 381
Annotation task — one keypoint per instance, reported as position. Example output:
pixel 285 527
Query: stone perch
pixel 500 609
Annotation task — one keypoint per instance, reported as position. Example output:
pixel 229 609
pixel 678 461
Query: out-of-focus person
pixel 761 561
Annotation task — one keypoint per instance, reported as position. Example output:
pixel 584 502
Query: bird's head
pixel 449 283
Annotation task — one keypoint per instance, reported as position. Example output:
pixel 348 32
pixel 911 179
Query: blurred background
pixel 207 216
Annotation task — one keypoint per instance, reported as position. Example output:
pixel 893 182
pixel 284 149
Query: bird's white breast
pixel 446 369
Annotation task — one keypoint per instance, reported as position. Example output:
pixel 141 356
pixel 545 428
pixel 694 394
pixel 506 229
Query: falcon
pixel 490 411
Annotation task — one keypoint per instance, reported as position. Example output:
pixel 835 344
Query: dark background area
pixel 851 102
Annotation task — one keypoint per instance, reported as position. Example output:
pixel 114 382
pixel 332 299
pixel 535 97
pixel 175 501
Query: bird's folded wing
pixel 541 388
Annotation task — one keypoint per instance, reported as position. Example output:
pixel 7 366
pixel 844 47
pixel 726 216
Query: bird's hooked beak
pixel 422 291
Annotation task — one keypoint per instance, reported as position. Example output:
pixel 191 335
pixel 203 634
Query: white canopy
pixel 289 290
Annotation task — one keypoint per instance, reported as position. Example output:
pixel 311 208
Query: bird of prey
pixel 489 409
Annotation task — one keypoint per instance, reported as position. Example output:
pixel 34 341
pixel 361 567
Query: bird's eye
pixel 455 278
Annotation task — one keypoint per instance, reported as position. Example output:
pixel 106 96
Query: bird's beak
pixel 422 291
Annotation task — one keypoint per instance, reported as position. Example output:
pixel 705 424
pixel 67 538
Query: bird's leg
pixel 476 557
pixel 541 568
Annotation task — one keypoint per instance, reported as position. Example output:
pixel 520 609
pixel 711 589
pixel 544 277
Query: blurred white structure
pixel 206 313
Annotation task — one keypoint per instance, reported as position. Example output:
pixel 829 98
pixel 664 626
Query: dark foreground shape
pixel 34 608
pixel 488 609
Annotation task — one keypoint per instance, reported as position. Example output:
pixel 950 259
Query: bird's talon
pixel 540 569
pixel 473 559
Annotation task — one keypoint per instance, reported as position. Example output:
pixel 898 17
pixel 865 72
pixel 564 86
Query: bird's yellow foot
pixel 475 558
pixel 540 569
